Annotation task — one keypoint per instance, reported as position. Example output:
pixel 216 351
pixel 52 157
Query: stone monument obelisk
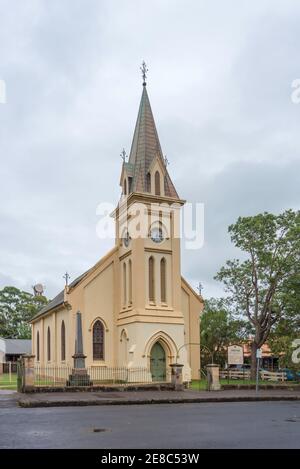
pixel 79 376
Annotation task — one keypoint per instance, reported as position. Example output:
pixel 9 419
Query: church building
pixel 136 308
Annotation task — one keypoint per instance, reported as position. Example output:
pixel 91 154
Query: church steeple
pixel 146 149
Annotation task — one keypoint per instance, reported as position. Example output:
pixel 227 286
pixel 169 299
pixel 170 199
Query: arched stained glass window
pixel 163 283
pixel 157 183
pixel 148 182
pixel 63 341
pixel 38 346
pixel 151 280
pixel 98 341
pixel 130 281
pixel 124 284
pixel 48 345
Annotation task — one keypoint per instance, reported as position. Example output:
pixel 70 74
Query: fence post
pixel 176 376
pixel 213 377
pixel 28 365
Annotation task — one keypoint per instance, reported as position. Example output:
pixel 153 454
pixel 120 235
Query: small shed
pixel 12 349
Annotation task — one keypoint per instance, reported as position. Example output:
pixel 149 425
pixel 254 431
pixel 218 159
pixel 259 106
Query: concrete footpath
pixel 66 399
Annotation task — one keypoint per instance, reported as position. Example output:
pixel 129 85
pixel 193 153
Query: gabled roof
pixel 59 299
pixel 145 148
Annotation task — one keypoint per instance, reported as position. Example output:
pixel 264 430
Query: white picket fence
pixel 234 374
pixel 245 375
pixel 272 376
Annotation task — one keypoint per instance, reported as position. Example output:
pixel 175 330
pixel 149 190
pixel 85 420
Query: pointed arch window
pixel 124 284
pixel 163 282
pixel 129 185
pixel 98 341
pixel 151 280
pixel 148 182
pixel 38 346
pixel 124 348
pixel 48 344
pixel 157 183
pixel 63 341
pixel 130 281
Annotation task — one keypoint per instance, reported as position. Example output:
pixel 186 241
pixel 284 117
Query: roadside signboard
pixel 258 353
pixel 235 355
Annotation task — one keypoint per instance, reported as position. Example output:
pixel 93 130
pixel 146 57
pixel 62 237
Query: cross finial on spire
pixel 200 288
pixel 123 155
pixel 67 278
pixel 144 71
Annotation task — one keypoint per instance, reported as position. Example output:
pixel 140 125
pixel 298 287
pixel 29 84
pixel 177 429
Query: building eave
pixel 188 286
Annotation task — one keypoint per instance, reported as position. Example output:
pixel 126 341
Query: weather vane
pixel 144 71
pixel 200 288
pixel 67 278
pixel 123 155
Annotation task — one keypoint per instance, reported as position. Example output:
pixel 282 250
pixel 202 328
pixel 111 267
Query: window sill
pixel 125 309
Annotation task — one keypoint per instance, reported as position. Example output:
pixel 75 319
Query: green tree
pixel 219 329
pixel 17 307
pixel 288 328
pixel 258 285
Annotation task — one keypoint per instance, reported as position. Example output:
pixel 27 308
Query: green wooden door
pixel 158 363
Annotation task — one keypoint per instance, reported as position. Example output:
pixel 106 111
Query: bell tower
pixel 148 237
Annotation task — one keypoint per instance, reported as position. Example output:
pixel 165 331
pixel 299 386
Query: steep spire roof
pixel 145 148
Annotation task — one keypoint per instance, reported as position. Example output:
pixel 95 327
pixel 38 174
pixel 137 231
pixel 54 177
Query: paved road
pixel 221 425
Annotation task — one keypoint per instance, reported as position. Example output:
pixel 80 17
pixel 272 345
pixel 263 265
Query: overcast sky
pixel 220 83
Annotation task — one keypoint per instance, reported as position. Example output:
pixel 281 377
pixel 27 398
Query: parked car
pixel 290 374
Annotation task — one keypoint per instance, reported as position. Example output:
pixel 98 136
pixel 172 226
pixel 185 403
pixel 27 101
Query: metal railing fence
pixel 63 376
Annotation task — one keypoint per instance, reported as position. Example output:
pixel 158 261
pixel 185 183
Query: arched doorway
pixel 158 362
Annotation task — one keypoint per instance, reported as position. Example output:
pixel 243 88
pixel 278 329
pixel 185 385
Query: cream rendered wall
pixel 64 315
pixel 185 299
pixel 48 322
pixel 169 290
pixel 125 284
pixel 35 328
pixel 123 347
pixel 141 338
pixel 99 304
pixel 192 307
pixel 52 320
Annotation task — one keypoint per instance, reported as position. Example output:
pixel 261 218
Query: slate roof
pixel 59 299
pixel 16 346
pixel 145 147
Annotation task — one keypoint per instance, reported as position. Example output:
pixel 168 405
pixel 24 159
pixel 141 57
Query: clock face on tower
pixel 126 239
pixel 156 234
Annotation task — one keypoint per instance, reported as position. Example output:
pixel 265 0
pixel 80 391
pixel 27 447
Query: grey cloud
pixel 219 84
pixel 241 189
